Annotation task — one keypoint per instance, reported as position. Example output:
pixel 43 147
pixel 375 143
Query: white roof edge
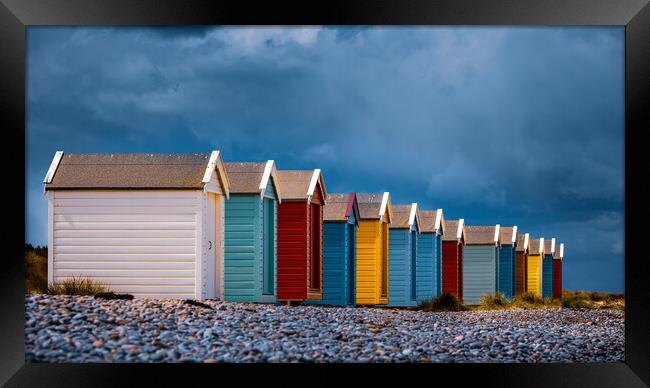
pixel 414 207
pixel 496 233
pixel 384 204
pixel 216 163
pixel 266 177
pixel 526 238
pixel 436 227
pixel 541 245
pixel 212 163
pixel 514 234
pixel 53 166
pixel 459 233
pixel 312 184
pixel 553 245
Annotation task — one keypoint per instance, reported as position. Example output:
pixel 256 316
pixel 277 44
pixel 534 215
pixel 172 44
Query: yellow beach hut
pixel 372 248
pixel 534 270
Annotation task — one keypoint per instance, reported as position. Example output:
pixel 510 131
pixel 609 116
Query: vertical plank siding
pixel 479 272
pixel 506 281
pixel 139 242
pixel 547 276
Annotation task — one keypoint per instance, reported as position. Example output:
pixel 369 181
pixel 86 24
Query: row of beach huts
pixel 188 225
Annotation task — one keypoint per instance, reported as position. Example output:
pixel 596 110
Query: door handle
pixel 210 247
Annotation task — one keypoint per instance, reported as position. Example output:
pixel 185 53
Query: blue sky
pixel 517 126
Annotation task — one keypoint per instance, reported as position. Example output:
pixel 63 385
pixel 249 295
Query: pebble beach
pixel 85 329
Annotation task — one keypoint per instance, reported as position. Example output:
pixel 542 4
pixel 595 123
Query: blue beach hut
pixel 429 258
pixel 507 255
pixel 547 268
pixel 250 254
pixel 340 223
pixel 404 230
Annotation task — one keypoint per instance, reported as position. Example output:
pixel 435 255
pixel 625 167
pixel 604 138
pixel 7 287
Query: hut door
pixel 413 262
pixel 315 254
pixel 210 246
pixel 351 264
pixel 268 269
pixel 384 259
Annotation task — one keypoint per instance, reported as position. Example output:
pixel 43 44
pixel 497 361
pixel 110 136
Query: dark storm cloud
pixel 511 125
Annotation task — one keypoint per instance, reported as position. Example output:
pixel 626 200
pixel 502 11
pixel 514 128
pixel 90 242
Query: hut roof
pixel 135 171
pixel 431 221
pixel 252 177
pixel 455 229
pixel 301 184
pixel 508 235
pixel 482 235
pixel 339 207
pixel 404 216
pixel 549 246
pixel 559 253
pixel 375 206
pixel 536 246
pixel 523 242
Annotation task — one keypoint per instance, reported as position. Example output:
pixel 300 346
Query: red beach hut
pixel 453 242
pixel 300 235
pixel 558 258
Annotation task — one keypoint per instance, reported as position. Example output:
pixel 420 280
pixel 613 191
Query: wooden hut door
pixel 268 267
pixel 210 246
pixel 315 245
pixel 384 259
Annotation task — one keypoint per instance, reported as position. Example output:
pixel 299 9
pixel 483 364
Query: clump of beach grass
pixel 77 286
pixel 443 302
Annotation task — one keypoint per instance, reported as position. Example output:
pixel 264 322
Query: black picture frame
pixel 16 15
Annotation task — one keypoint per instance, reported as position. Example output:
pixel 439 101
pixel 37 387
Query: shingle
pixel 130 171
pixel 479 235
pixel 294 183
pixel 401 215
pixel 505 235
pixel 245 177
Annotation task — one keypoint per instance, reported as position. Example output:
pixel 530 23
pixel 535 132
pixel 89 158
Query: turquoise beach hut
pixel 250 254
pixel 404 230
pixel 340 223
pixel 429 259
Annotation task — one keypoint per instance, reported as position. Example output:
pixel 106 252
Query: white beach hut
pixel 146 224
